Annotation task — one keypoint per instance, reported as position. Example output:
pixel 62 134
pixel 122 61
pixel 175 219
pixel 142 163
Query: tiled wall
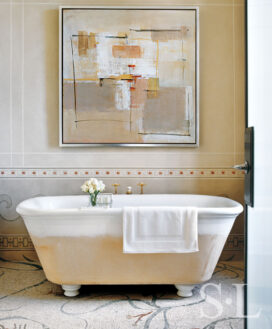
pixel 29 118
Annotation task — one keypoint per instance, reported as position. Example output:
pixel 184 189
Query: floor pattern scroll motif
pixel 29 301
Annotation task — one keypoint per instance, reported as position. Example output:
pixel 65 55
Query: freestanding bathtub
pixel 80 245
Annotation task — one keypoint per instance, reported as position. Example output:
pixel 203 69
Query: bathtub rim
pixel 23 208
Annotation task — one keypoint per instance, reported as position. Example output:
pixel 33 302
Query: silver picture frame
pixel 194 143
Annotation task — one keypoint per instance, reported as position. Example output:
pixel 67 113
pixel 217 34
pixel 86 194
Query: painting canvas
pixel 128 76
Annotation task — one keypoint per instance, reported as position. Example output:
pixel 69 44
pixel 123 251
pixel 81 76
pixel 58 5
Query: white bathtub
pixel 80 245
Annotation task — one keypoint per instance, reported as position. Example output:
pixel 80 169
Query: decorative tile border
pixel 123 173
pixel 235 242
pixel 12 242
pixel 15 242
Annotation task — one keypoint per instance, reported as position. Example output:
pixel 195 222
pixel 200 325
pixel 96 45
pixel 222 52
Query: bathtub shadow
pixel 144 290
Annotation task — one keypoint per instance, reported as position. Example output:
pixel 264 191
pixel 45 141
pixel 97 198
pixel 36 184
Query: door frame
pixel 246 207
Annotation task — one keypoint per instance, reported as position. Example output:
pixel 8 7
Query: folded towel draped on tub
pixel 160 230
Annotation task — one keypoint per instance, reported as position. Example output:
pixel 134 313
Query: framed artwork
pixel 129 76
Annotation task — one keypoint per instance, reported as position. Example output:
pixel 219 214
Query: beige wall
pixel 29 108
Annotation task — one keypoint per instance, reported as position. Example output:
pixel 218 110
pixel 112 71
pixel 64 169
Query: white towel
pixel 160 230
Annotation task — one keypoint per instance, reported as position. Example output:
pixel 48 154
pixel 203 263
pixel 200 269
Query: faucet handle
pixel 142 187
pixel 115 187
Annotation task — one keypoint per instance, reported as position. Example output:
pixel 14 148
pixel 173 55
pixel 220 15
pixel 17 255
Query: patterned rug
pixel 29 301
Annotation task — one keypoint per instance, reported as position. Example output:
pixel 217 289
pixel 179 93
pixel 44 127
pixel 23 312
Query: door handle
pixel 244 166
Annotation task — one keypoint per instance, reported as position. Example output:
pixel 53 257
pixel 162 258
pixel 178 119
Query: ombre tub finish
pixel 80 245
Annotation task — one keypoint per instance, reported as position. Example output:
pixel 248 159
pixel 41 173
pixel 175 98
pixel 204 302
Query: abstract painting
pixel 128 76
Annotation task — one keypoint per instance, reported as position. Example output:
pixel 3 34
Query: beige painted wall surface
pixel 29 93
pixel 29 103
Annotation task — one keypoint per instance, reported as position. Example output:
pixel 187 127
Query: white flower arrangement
pixel 93 186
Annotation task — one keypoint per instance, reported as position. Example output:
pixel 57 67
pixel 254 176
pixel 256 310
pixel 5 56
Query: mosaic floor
pixel 29 301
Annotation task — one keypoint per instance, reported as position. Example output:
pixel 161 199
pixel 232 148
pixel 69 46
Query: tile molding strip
pixel 123 173
pixel 13 242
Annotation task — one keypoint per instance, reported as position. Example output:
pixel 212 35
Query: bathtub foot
pixel 184 290
pixel 71 290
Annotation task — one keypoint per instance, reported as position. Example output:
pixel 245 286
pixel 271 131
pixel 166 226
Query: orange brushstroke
pixel 81 79
pixel 82 43
pixel 138 93
pixel 91 41
pixel 126 51
pixel 121 77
